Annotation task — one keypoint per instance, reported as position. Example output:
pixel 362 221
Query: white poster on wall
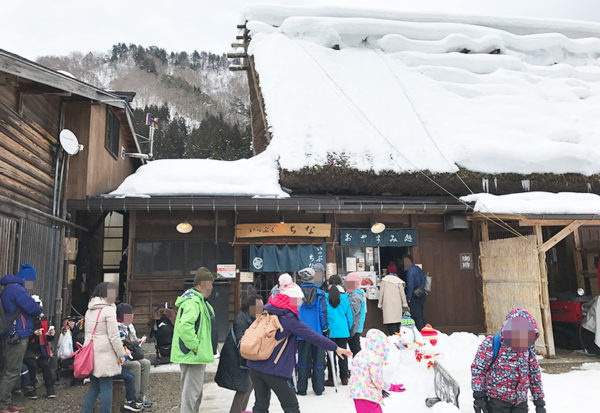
pixel 350 264
pixel 226 270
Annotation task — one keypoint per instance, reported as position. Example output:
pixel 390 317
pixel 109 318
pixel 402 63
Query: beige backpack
pixel 259 341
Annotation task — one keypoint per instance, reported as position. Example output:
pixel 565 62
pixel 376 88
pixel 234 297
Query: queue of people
pixel 311 322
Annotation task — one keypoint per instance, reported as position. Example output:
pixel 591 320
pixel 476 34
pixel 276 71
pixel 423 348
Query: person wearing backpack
pixel 18 310
pixel 340 319
pixel 275 372
pixel 136 363
pixel 313 312
pixel 232 372
pixel 505 368
pixel 192 346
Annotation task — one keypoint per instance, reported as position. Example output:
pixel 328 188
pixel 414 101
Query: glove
pixel 540 406
pixel 479 403
pixel 397 388
pixel 326 333
pixel 385 394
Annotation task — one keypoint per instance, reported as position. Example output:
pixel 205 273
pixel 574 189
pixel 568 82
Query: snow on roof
pixel 257 176
pixel 538 203
pixel 403 94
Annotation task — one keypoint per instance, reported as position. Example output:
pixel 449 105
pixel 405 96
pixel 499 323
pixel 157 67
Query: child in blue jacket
pixel 313 312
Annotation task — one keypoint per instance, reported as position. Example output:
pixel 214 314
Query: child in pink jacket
pixel 367 384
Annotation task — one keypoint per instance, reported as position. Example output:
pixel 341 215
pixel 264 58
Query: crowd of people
pixel 318 324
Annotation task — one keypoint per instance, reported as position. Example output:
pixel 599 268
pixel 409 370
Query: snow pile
pixel 563 391
pixel 536 203
pixel 257 176
pixel 410 92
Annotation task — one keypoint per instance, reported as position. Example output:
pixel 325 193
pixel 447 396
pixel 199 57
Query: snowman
pixel 427 352
pixel 409 337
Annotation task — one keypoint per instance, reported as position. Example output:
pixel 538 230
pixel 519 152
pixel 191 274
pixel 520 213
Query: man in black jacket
pixel 232 372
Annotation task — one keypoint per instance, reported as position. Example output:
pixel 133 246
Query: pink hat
pixel 285 281
pixel 353 276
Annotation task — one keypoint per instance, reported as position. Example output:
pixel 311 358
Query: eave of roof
pixel 23 68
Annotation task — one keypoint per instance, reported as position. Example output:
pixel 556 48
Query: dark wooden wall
pixel 26 143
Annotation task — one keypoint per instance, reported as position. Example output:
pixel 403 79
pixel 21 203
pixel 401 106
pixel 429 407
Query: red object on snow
pixel 566 311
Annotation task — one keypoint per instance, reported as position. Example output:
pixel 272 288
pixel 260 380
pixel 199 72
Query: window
pixel 112 133
pixel 178 258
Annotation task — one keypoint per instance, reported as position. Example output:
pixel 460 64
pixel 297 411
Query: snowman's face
pixel 407 335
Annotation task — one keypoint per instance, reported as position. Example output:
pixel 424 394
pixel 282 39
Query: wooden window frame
pixel 112 120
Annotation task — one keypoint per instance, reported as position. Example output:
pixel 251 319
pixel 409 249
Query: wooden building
pixel 37 176
pixel 354 142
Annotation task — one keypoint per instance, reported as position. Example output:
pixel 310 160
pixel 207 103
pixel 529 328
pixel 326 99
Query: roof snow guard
pixel 382 90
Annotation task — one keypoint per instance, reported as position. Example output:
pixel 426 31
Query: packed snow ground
pixel 257 176
pixel 567 392
pixel 536 203
pixel 403 94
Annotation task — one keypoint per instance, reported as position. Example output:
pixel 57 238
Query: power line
pixel 501 223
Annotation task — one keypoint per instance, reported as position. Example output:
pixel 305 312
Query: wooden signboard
pixel 283 230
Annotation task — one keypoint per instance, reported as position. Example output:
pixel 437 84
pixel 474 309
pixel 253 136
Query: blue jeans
pixel 129 379
pixel 310 364
pixel 102 386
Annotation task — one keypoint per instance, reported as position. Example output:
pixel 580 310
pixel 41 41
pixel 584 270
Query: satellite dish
pixel 69 142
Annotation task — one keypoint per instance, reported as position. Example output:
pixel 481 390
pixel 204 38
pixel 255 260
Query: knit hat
pixel 293 291
pixel 307 275
pixel 122 309
pixel 429 333
pixel 285 281
pixel 407 320
pixel 27 272
pixel 318 267
pixel 353 276
pixel 203 274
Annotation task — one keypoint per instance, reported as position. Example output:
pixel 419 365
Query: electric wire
pixel 359 111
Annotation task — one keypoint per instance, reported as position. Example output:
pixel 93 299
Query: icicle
pixel 495 184
pixel 485 184
pixel 526 184
pixel 589 186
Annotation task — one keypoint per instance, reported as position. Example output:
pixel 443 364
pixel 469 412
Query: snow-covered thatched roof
pixel 408 92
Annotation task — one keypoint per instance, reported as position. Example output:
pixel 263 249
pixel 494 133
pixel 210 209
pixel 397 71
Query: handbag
pixel 83 364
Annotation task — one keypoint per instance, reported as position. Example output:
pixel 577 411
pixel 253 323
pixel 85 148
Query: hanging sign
pixel 226 270
pixel 387 238
pixel 285 258
pixel 282 230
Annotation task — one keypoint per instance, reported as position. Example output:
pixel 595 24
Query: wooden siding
pixel 26 160
pixel 96 170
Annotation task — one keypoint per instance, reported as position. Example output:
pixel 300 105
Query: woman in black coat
pixel 232 372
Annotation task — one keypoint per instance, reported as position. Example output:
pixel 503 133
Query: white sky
pixel 40 27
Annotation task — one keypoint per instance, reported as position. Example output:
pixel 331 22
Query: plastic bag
pixel 65 345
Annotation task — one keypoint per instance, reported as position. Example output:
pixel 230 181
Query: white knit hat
pixel 293 291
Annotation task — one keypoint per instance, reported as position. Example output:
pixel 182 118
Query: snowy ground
pixel 563 391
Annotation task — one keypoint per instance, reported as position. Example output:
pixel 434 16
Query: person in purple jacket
pixel 267 375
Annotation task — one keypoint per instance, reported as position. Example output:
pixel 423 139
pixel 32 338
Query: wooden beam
pixel 485 231
pixel 494 217
pixel 566 231
pixel 578 260
pixel 545 296
pixel 556 222
pixel 237 55
pixel 238 68
pixel 238 45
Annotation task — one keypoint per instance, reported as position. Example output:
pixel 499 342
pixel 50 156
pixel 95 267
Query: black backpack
pixel 5 325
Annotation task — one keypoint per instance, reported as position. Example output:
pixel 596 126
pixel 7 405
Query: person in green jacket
pixel 192 345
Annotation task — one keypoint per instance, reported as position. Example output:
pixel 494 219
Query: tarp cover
pixel 282 258
pixel 591 321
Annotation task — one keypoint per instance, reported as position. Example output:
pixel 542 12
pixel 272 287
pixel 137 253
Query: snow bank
pixel 257 176
pixel 536 203
pixel 563 391
pixel 399 94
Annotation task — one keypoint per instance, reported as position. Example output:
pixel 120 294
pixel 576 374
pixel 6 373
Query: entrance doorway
pixel 393 255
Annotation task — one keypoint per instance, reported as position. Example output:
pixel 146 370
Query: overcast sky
pixel 40 27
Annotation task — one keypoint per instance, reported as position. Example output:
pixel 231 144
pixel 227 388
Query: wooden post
pixel 544 295
pixel 130 254
pixel 485 231
pixel 578 260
